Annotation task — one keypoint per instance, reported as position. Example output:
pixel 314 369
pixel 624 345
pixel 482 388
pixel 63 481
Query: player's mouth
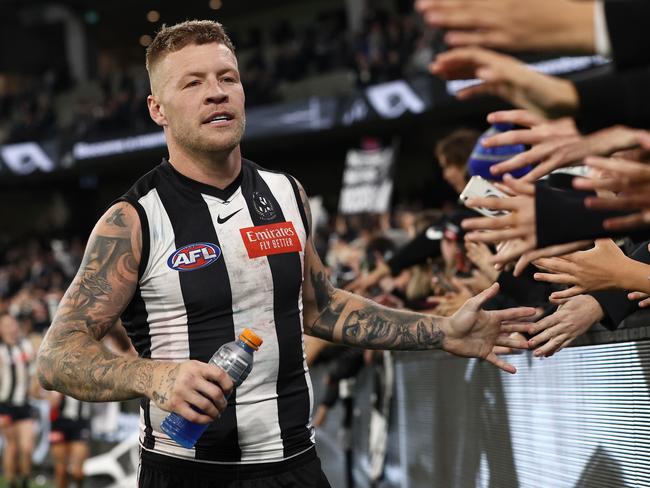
pixel 218 119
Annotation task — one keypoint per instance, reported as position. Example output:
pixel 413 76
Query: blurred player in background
pixel 69 436
pixel 16 386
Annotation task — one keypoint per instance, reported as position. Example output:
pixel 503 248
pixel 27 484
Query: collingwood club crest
pixel 263 206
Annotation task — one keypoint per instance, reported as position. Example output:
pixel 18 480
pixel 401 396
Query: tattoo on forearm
pixel 328 311
pixel 143 377
pixel 370 326
pixel 380 328
pixel 70 359
pixel 364 323
pixel 429 334
pixel 75 364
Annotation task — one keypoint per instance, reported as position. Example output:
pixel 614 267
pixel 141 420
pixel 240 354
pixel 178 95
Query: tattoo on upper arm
pixel 109 269
pixel 116 218
pixel 70 359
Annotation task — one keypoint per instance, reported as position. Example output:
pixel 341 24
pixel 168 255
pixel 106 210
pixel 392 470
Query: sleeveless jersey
pixel 215 262
pixel 73 409
pixel 16 371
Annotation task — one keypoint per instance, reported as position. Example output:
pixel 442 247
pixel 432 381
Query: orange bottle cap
pixel 251 338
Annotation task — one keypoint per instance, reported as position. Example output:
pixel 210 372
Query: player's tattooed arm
pixel 338 316
pixel 71 359
pixel 356 321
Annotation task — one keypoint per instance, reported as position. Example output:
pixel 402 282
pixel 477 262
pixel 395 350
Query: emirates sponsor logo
pixel 265 240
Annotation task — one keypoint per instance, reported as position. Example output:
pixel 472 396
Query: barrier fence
pixel 577 419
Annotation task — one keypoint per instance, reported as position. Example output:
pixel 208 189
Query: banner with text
pixel 367 181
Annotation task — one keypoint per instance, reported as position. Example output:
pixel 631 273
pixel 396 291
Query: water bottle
pixel 236 359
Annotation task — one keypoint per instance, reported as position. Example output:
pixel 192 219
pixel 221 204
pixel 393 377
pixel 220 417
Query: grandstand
pixel 326 81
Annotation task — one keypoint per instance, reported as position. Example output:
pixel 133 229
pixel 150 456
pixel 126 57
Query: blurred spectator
pixel 260 86
pixel 388 47
pixel 69 438
pixel 16 424
pixel 33 275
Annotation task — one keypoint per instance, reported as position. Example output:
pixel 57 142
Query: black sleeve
pixel 424 246
pixel 561 216
pixel 628 32
pixel 615 303
pixel 347 365
pixel 614 98
pixel 331 394
pixel 525 290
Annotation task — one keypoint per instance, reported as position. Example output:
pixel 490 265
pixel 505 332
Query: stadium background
pixel 74 134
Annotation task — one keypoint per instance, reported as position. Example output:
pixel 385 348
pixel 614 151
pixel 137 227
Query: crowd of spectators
pixel 387 47
pixel 33 276
pixel 37 109
pixel 564 221
pixel 568 237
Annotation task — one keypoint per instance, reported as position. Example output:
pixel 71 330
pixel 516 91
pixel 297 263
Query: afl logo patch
pixel 263 206
pixel 194 256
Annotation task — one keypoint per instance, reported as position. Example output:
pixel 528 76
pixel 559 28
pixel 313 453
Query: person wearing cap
pixel 483 158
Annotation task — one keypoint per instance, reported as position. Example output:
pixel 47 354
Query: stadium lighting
pixel 153 16
pixel 145 40
pixel 91 17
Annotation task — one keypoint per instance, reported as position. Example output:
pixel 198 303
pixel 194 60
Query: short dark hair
pixel 175 37
pixel 457 147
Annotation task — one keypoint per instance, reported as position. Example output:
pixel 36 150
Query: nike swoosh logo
pixel 225 219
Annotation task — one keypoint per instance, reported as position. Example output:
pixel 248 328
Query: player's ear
pixel 156 110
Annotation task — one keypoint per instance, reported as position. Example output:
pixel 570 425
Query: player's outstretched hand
pixel 474 332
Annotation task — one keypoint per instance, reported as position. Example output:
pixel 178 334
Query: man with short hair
pixel 203 246
pixel 452 153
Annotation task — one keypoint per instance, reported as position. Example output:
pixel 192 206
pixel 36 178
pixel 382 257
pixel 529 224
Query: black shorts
pixel 302 471
pixel 13 413
pixel 67 430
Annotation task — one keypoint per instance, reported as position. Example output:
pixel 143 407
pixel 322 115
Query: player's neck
pixel 218 169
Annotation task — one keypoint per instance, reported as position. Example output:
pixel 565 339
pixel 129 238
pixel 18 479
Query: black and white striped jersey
pixel 16 371
pixel 215 262
pixel 73 409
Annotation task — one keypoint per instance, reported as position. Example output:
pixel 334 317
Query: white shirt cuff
pixel 603 46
